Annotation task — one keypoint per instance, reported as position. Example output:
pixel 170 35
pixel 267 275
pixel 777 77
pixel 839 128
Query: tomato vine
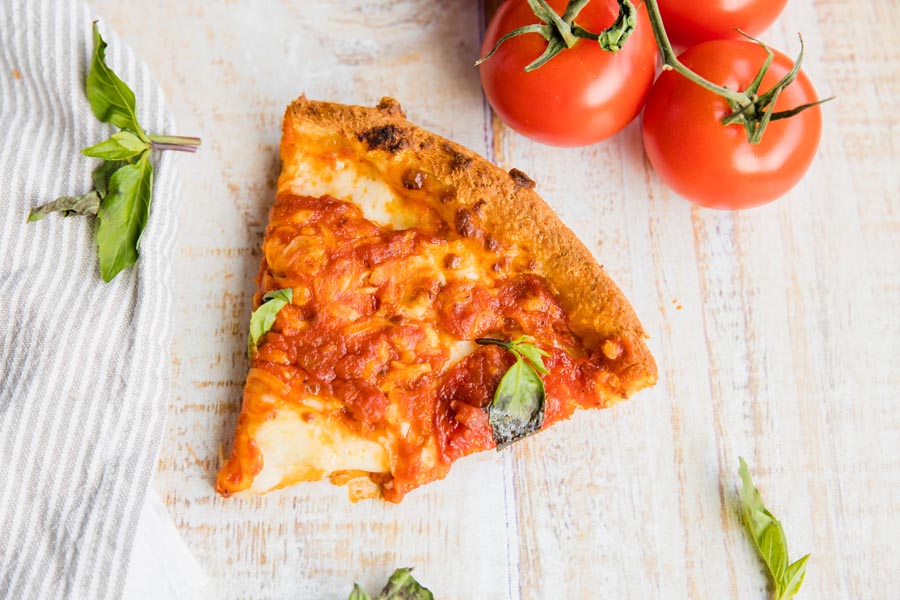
pixel 750 108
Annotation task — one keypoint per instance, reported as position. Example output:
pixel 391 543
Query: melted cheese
pixel 304 449
pixel 349 181
pixel 307 440
pixel 460 350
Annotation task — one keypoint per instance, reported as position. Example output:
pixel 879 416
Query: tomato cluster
pixel 585 94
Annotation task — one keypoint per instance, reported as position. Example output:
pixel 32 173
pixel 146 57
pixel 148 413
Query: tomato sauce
pixel 374 316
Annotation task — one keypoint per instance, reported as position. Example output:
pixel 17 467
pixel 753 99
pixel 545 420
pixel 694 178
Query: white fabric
pixel 84 365
pixel 162 567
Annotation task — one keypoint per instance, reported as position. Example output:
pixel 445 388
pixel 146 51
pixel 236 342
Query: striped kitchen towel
pixel 84 365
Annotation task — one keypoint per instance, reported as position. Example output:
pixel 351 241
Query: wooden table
pixel 775 329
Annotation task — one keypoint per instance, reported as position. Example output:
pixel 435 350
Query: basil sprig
pixel 401 586
pixel 263 317
pixel 123 183
pixel 768 536
pixel 517 409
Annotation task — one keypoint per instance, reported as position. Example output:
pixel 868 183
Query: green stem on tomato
pixel 670 59
pixel 572 9
pixel 561 32
pixel 750 109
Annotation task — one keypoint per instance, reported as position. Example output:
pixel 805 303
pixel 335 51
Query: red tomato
pixel 691 22
pixel 713 165
pixel 584 94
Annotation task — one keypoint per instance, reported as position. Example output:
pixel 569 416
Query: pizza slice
pixel 416 304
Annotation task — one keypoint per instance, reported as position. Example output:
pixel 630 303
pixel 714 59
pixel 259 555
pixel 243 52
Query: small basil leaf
pixel 403 586
pixel 263 317
pixel 533 353
pixel 358 593
pixel 757 516
pixel 769 539
pixel 773 549
pixel 121 146
pixel 793 578
pixel 86 204
pixel 123 216
pixel 111 100
pixel 517 409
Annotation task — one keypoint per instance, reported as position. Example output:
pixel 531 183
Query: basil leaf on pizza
pixel 534 354
pixel 517 409
pixel 417 269
pixel 518 406
pixel 263 317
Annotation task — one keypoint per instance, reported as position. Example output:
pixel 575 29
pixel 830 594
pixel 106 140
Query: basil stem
pixel 123 183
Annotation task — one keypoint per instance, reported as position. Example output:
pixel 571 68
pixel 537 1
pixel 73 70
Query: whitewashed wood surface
pixel 776 330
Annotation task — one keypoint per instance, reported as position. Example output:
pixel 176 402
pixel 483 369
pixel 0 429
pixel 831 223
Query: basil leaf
pixel 263 317
pixel 358 593
pixel 86 204
pixel 793 578
pixel 123 215
pixel 772 547
pixel 769 539
pixel 103 173
pixel 533 353
pixel 403 586
pixel 121 146
pixel 517 409
pixel 111 100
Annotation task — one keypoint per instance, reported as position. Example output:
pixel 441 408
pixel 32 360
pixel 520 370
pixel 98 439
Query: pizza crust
pixel 479 200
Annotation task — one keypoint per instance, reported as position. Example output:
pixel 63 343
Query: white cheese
pixel 346 181
pixel 296 449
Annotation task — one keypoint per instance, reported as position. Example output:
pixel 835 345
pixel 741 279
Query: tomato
pixel 692 22
pixel 714 165
pixel 582 95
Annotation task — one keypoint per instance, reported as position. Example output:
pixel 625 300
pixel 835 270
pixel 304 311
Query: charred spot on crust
pixel 385 137
pixel 413 179
pixel 479 207
pixel 442 228
pixel 391 107
pixel 491 244
pixel 465 223
pixel 452 261
pixel 458 160
pixel 520 179
pixel 447 195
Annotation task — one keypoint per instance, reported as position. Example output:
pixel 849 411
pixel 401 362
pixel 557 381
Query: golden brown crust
pixel 480 199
